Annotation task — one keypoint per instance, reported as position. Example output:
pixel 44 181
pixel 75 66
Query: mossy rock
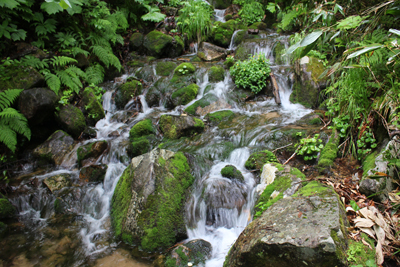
pixel 222 32
pixel 71 120
pixel 185 95
pixel 7 210
pixel 165 68
pixel 20 78
pixel 196 59
pixel 219 116
pixel 126 91
pixel 93 173
pixel 140 145
pixel 177 47
pixel 359 254
pixel 278 51
pixel 94 109
pixel 258 159
pixel 228 64
pixel 147 207
pixel 259 26
pixel 91 150
pixel 231 172
pixel 54 149
pixel 142 128
pixel 135 64
pixel 185 69
pixel 216 74
pixel 136 41
pixel 329 152
pixel 203 102
pixel 157 43
pixel 242 53
pixel 174 127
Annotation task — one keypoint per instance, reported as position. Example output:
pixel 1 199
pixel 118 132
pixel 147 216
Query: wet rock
pixel 222 32
pixel 112 72
pixel 136 41
pixel 307 86
pixel 174 127
pixel 71 120
pixel 21 78
pixel 24 49
pixel 7 210
pixel 3 231
pixel 216 74
pixel 219 116
pixel 258 26
pixel 207 104
pixel 147 207
pixel 126 91
pixel 232 10
pixel 37 105
pixel 210 52
pixel 114 134
pixel 55 148
pixel 120 256
pixel 257 160
pixel 231 172
pixel 253 31
pixel 57 182
pixel 165 68
pixel 93 173
pixel 142 128
pixel 93 108
pixel 161 45
pixel 195 252
pixel 184 95
pixel 22 261
pixel 308 229
pixel 92 150
pixel 89 132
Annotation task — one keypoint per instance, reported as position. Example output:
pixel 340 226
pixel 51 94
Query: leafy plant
pixel 252 12
pixel 11 121
pixel 309 147
pixel 366 143
pixel 251 74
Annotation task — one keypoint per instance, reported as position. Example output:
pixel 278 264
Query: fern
pixel 11 121
pixel 95 74
pixel 70 79
pixel 52 81
pixel 77 50
pixel 31 61
pixel 106 56
pixel 62 61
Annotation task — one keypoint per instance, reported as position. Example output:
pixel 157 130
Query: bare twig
pixel 292 156
pixel 326 124
pixel 344 142
pixel 273 151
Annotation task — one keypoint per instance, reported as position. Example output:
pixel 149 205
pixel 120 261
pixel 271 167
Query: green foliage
pixel 195 20
pixel 365 143
pixel 309 147
pixel 359 254
pixel 252 12
pixel 251 74
pixel 11 121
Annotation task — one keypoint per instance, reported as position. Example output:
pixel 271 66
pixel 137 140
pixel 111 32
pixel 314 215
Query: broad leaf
pixel 51 7
pixel 395 31
pixel 311 38
pixel 363 51
pixel 349 23
pixel 11 4
pixel 65 4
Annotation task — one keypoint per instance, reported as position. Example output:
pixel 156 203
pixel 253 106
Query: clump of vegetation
pixel 251 74
pixel 230 171
pixel 258 159
pixel 309 147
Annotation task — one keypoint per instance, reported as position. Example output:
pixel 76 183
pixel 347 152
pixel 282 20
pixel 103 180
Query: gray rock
pixel 37 105
pixel 93 173
pixel 307 229
pixel 57 182
pixel 174 127
pixel 210 52
pixel 72 120
pixel 55 148
pixel 21 78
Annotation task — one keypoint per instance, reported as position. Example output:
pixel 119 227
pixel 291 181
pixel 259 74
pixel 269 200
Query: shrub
pixel 252 12
pixel 251 74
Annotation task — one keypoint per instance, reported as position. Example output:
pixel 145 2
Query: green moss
pixel 72 120
pixel 219 116
pixel 241 53
pixel 316 68
pixel 186 94
pixel 186 68
pixel 136 41
pixel 135 63
pixel 198 123
pixel 164 210
pixel 126 91
pixel 216 74
pixel 92 106
pixel 230 171
pixel 258 159
pixel 142 128
pixel 228 17
pixel 139 146
pixel 359 254
pixel 120 201
pixel 7 210
pixel 157 43
pixel 369 162
pixel 278 51
pixel 329 152
pixel 296 172
pixel 312 188
pixel 88 151
pixel 165 68
pixel 340 246
pixel 196 59
pixel 259 26
pixel 222 32
pixel 166 125
pixel 205 101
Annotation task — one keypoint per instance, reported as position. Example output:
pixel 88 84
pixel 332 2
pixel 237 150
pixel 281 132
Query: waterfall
pixel 219 14
pixel 232 45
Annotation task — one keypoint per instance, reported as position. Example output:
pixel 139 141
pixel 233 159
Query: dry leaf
pixel 365 212
pixel 361 222
pixel 394 197
pixel 379 253
pixel 366 243
pixel 368 231
pixel 350 209
pixel 299 215
pixel 380 234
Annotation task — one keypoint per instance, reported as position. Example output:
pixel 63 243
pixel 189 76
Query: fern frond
pixel 15 121
pixel 70 80
pixel 106 56
pixel 8 137
pixel 99 40
pixel 62 61
pixel 75 71
pixel 77 50
pixel 95 74
pixel 7 97
pixel 31 61
pixel 53 82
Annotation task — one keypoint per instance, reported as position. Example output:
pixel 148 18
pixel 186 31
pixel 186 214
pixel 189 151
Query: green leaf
pixel 365 50
pixel 395 31
pixel 18 35
pixel 65 4
pixel 349 23
pixel 11 4
pixel 51 7
pixel 311 38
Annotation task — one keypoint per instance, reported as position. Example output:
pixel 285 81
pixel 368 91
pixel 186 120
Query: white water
pixel 219 14
pixel 232 44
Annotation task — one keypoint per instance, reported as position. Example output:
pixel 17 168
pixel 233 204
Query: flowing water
pixel 219 208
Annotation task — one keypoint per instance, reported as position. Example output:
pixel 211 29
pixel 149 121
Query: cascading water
pixel 219 14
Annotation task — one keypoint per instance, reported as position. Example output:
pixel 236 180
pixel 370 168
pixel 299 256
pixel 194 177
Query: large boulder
pixel 21 78
pixel 37 105
pixel 126 91
pixel 93 108
pixel 222 32
pixel 216 74
pixel 161 45
pixel 308 229
pixel 184 95
pixel 307 86
pixel 54 149
pixel 147 207
pixel 71 120
pixel 174 127
pixel 136 41
pixel 210 52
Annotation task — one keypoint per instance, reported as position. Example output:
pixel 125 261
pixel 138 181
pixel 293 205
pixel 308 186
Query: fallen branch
pixel 273 151
pixel 326 124
pixel 292 156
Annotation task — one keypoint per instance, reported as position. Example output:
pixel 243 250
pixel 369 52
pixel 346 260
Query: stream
pixel 84 235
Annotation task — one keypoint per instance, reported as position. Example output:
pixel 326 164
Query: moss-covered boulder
pixel 126 91
pixel 7 210
pixel 329 153
pixel 136 41
pixel 57 182
pixel 38 105
pixel 259 26
pixel 55 148
pixel 222 32
pixel 219 116
pixel 161 45
pixel 71 120
pixel 184 95
pixel 231 172
pixel 307 86
pixel 221 4
pixel 258 159
pixel 93 173
pixel 21 78
pixel 165 68
pixel 174 127
pixel 184 69
pixel 147 207
pixel 216 74
pixel 141 136
pixel 142 128
pixel 307 229
pixel 93 108
pixel 195 108
pixel 91 151
pixel 195 252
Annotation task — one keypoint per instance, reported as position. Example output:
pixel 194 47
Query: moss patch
pixel 184 95
pixel 216 74
pixel 7 210
pixel 157 43
pixel 312 188
pixel 230 171
pixel 142 128
pixel 369 162
pixel 165 68
pixel 205 101
pixel 139 146
pixel 329 152
pixel 126 91
pixel 359 254
pixel 222 32
pixel 258 159
pixel 184 69
pixel 219 116
pixel 93 107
